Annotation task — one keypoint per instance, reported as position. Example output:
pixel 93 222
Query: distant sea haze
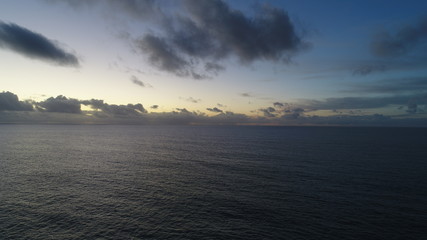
pixel 203 182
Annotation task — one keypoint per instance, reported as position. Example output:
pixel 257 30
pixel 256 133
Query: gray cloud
pixel 191 99
pixel 411 102
pixel 34 45
pixel 212 67
pixel 138 82
pixel 395 85
pixel 163 56
pixel 154 107
pixel 192 38
pixel 268 112
pixel 278 104
pixel 10 102
pixel 246 95
pixel 211 31
pixel 183 110
pixel 346 111
pixel 403 41
pixel 117 110
pixel 215 109
pixel 60 104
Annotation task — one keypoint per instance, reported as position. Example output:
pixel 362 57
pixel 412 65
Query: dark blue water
pixel 197 182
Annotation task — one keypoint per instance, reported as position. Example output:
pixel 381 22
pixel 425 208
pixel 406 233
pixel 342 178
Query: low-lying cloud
pixel 10 102
pixel 410 110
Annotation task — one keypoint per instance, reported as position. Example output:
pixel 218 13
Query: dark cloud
pixel 278 104
pixel 191 38
pixel 268 112
pixel 163 56
pixel 211 31
pixel 60 104
pixel 345 111
pixel 183 110
pixel 400 43
pixel 212 67
pixel 10 102
pixel 154 107
pixel 34 45
pixel 220 105
pixel 411 101
pixel 215 109
pixel 138 82
pixel 116 110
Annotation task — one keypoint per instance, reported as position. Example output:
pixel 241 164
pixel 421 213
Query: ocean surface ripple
pixel 200 182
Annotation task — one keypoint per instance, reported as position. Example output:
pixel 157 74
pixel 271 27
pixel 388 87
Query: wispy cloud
pixel 138 82
pixel 214 109
pixel 34 45
pixel 401 42
pixel 246 94
pixel 191 99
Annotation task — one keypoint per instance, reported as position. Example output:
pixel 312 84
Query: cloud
pixel 344 111
pixel 10 102
pixel 278 104
pixel 116 110
pixel 60 104
pixel 246 95
pixel 215 109
pixel 393 85
pixel 402 42
pixel 138 82
pixel 192 100
pixel 212 67
pixel 162 55
pixel 268 112
pixel 154 107
pixel 191 38
pixel 34 45
pixel 183 110
pixel 411 101
pixel 207 32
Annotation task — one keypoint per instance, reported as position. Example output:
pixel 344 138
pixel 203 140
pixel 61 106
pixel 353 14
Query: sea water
pixel 212 182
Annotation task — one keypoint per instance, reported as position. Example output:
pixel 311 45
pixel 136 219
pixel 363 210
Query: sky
pixel 302 62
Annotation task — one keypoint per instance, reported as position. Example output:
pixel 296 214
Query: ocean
pixel 212 182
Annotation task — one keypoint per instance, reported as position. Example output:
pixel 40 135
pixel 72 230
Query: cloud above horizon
pixel 10 102
pixel 34 45
pixel 411 109
pixel 194 38
pixel 403 41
